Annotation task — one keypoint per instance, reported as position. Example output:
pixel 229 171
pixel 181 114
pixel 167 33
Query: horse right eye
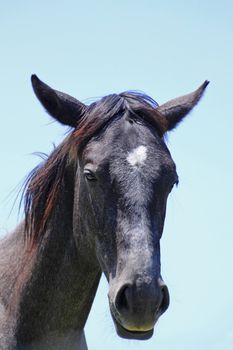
pixel 89 175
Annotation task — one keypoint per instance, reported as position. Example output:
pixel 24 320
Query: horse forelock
pixel 45 181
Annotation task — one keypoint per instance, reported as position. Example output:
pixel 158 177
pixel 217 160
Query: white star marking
pixel 137 156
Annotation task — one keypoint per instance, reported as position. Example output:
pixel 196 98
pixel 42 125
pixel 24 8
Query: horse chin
pixel 128 334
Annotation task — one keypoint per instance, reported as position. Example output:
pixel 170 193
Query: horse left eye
pixel 89 175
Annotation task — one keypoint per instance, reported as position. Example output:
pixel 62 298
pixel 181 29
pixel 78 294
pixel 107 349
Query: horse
pixel 95 205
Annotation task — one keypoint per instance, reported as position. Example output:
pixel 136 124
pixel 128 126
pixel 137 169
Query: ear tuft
pixel 34 78
pixel 64 108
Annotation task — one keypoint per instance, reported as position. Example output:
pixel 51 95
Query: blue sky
pixel 93 48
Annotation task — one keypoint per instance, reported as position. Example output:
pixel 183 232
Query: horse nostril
pixel 129 299
pixel 121 301
pixel 164 299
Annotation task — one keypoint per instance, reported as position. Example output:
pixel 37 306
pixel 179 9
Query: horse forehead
pixel 136 147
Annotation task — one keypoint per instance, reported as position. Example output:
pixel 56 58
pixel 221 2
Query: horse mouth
pixel 128 334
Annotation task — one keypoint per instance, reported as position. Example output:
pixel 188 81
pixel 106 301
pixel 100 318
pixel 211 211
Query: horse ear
pixel 175 110
pixel 64 108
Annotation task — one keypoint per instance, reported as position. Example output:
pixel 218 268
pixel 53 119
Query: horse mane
pixel 43 184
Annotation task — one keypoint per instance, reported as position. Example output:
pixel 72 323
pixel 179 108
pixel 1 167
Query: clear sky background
pixel 166 49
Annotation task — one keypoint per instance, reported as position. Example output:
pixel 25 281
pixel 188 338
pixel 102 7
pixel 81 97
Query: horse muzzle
pixel 135 308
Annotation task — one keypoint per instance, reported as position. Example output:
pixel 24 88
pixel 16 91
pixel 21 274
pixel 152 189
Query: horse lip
pixel 127 334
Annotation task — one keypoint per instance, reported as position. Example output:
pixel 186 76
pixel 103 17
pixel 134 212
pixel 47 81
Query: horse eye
pixel 176 183
pixel 89 175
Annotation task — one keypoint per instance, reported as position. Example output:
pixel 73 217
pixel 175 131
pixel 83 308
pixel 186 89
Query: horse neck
pixel 57 297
